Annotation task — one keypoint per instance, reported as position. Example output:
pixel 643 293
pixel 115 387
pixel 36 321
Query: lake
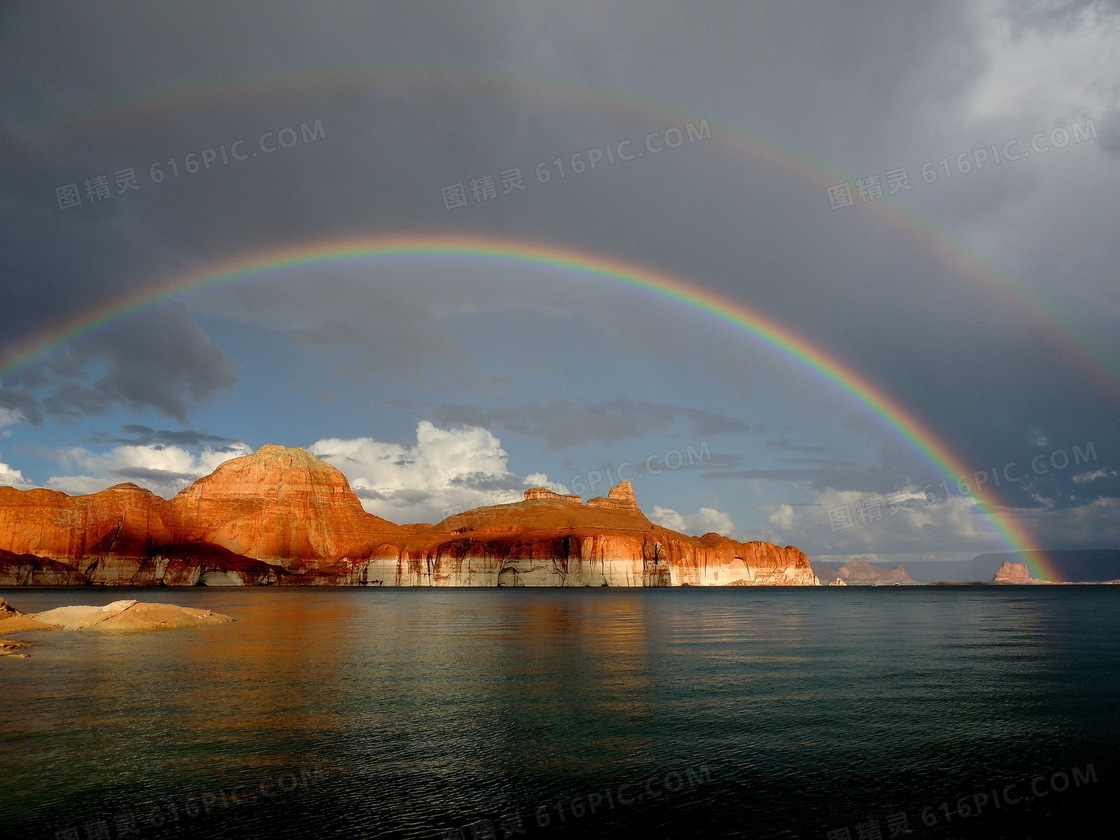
pixel 826 713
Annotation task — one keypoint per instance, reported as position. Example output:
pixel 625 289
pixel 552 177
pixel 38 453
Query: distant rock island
pixel 1011 572
pixel 861 572
pixel 1085 565
pixel 281 516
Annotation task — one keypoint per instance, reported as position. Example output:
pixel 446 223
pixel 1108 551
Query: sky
pixel 924 194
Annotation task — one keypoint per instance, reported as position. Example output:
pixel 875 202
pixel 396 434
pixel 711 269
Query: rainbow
pixel 524 253
pixel 1014 295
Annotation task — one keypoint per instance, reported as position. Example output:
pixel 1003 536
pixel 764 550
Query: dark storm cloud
pixel 143 475
pixel 705 423
pixel 63 127
pixel 138 435
pixel 788 445
pixel 819 462
pixel 488 483
pixel 163 361
pixel 860 90
pixel 21 403
pixel 819 479
pixel 562 423
pixel 1109 130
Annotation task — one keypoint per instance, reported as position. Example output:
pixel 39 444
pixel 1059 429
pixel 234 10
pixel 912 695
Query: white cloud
pixel 165 470
pixel 446 470
pixel 8 417
pixel 12 478
pixel 704 521
pixel 1086 477
pixel 852 522
pixel 542 480
pixel 79 485
pixel 782 517
pixel 668 518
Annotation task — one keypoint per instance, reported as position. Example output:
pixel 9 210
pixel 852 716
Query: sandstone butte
pixel 281 516
pixel 1014 573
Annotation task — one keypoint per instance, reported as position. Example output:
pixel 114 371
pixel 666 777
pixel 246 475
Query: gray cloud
pixel 163 361
pixel 135 434
pixel 562 423
pixel 798 99
pixel 789 446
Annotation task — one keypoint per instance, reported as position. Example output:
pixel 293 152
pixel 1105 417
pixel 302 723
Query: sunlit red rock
pixel 278 504
pixel 282 516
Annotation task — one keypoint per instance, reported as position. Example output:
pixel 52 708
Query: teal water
pixel 577 713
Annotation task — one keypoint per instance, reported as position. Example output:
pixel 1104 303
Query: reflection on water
pixel 407 713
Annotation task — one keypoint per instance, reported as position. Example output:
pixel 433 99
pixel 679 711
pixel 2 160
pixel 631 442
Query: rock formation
pixel 117 617
pixel 282 516
pixel 1014 573
pixel 10 647
pixel 860 572
pixel 279 504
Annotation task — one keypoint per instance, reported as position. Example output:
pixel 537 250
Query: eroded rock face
pixel 278 504
pixel 282 516
pixel 120 521
pixel 1014 573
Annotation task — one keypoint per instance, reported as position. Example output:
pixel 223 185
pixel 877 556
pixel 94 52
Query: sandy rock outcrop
pixel 129 617
pixel 117 617
pixel 12 647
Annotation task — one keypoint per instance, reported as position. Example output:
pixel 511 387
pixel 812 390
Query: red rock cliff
pixel 281 504
pixel 283 516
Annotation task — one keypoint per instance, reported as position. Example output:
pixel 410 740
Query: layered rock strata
pixel 283 517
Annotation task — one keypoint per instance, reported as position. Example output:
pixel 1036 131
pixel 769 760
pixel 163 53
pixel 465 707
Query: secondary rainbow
pixel 1011 293
pixel 796 347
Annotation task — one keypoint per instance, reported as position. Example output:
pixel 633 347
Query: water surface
pixel 537 713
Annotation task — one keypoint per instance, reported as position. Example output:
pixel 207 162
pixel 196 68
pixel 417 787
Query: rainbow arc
pixel 793 346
